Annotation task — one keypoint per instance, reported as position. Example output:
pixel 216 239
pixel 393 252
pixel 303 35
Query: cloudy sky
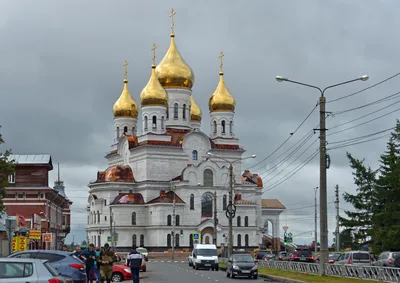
pixel 61 71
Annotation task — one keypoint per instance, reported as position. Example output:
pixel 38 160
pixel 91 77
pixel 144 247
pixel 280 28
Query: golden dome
pixel 221 100
pixel 125 106
pixel 173 71
pixel 195 111
pixel 153 94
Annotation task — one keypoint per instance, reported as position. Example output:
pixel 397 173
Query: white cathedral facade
pixel 165 169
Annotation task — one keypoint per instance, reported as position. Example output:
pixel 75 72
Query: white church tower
pixel 125 112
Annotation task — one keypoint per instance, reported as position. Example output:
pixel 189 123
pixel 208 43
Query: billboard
pixel 19 243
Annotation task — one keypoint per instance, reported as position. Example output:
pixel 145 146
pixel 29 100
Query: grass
pixel 301 276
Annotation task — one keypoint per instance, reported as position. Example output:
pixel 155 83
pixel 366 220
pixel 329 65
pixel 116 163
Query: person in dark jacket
pixel 89 256
pixel 134 262
pixel 106 260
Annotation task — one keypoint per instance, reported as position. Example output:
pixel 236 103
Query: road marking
pixel 208 278
pixel 216 280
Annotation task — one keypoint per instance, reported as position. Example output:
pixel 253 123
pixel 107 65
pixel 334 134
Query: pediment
pixel 208 223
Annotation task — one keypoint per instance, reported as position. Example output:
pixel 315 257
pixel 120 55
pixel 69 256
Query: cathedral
pixel 169 180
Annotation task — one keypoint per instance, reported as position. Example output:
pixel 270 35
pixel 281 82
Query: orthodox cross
pixel 221 54
pixel 154 53
pixel 172 19
pixel 126 70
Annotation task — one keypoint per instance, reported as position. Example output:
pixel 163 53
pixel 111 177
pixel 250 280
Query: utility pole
pixel 230 230
pixel 215 218
pixel 173 222
pixel 337 219
pixel 316 217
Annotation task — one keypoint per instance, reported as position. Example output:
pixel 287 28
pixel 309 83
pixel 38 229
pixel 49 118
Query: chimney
pixel 162 195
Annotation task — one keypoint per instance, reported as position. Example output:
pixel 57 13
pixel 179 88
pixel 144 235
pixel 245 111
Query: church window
pixel 215 127
pixel 169 240
pixel 194 155
pixel 224 202
pixel 134 242
pixel 88 219
pixel 98 216
pixel 231 127
pixel 133 131
pixel 167 112
pixel 117 132
pixel 176 110
pixel 239 240
pixel 206 205
pixel 133 218
pixel 184 111
pixel 246 240
pixel 177 218
pixel 239 220
pixel 208 178
pixel 154 122
pixel 223 127
pixel 142 240
pixel 145 123
pixel 177 240
pixel 169 220
pixel 192 202
pixel 125 129
pixel 191 240
pixel 162 122
pixel 105 217
pixel 246 221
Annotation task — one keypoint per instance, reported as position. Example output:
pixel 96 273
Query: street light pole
pixel 316 215
pixel 323 166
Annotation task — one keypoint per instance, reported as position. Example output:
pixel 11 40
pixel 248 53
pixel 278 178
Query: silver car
pixel 22 270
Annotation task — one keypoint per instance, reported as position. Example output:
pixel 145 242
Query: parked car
pixel 334 257
pixel 260 254
pixel 66 263
pixel 355 258
pixel 123 272
pixel 29 270
pixel 387 259
pixel 282 255
pixel 144 252
pixel 241 265
pixel 302 255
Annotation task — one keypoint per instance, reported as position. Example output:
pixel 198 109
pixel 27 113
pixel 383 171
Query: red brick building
pixel 44 208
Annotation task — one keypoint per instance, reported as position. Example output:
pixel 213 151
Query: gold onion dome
pixel 153 94
pixel 195 111
pixel 125 106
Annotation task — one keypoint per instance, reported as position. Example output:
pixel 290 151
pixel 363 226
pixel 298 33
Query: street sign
pixel 285 228
pixel 196 236
pixel 290 239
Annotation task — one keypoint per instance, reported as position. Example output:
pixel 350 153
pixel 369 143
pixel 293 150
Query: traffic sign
pixel 290 239
pixel 285 228
pixel 196 236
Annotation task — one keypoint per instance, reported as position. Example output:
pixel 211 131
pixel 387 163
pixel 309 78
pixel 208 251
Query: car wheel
pixel 217 269
pixel 117 277
pixel 255 276
pixel 196 267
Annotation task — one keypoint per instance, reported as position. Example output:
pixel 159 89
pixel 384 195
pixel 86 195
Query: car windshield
pixel 361 256
pixel 141 250
pixel 206 252
pixel 51 269
pixel 243 258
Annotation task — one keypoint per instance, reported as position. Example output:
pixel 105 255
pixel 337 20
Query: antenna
pixel 58 164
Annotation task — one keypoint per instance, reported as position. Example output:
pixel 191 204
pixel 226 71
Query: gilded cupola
pixel 195 111
pixel 125 106
pixel 173 71
pixel 221 100
pixel 153 94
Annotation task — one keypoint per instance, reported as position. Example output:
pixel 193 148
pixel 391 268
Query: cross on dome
pixel 126 70
pixel 221 54
pixel 154 53
pixel 172 20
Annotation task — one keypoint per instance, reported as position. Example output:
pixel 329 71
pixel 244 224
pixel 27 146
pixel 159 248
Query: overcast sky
pixel 61 72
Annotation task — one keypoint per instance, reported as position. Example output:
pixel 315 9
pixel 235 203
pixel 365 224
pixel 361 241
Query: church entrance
pixel 207 235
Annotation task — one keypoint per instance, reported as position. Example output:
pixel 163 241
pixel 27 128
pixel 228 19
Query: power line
pixel 362 137
pixel 355 143
pixel 364 89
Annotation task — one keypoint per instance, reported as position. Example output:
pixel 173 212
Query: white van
pixel 205 256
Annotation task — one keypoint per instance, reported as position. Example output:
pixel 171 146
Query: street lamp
pixel 323 166
pixel 230 206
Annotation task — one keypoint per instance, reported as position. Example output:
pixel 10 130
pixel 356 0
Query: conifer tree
pixel 6 168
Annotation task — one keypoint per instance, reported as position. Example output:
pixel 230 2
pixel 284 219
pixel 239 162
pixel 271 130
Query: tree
pixel 346 238
pixel 364 201
pixel 7 167
pixel 386 220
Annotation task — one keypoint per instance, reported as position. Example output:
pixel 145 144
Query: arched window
pixel 169 241
pixel 223 127
pixel 117 132
pixel 162 122
pixel 125 129
pixel 154 122
pixel 194 155
pixel 239 240
pixel 231 127
pixel 167 112
pixel 208 178
pixel 246 240
pixel 142 240
pixel 192 202
pixel 177 240
pixel 176 110
pixel 169 220
pixel 238 221
pixel 134 242
pixel 133 131
pixel 191 240
pixel 215 127
pixel 224 204
pixel 145 123
pixel 246 221
pixel 133 218
pixel 98 216
pixel 177 218
pixel 206 205
pixel 184 111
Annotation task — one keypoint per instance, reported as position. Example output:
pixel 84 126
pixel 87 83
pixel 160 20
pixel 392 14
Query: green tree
pixel 7 167
pixel 386 220
pixel 347 240
pixel 364 201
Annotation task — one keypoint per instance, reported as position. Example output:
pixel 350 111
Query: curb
pixel 275 278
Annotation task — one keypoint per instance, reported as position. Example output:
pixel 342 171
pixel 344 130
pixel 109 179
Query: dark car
pixel 261 254
pixel 241 265
pixel 66 263
pixel 302 255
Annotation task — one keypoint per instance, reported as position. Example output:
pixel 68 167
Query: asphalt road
pixel 168 271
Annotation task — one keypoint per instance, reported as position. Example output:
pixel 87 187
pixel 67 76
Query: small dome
pixel 153 94
pixel 119 173
pixel 131 198
pixel 125 106
pixel 221 100
pixel 195 111
pixel 173 71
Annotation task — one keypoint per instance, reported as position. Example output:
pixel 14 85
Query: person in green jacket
pixel 106 260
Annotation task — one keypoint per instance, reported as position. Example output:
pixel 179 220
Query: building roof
pixel 33 159
pixel 272 204
pixel 244 202
pixel 129 198
pixel 116 173
pixel 169 198
pixel 247 176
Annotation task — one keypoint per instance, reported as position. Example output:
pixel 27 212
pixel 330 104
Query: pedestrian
pixel 89 256
pixel 97 265
pixel 134 262
pixel 65 248
pixel 106 260
pixel 77 251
